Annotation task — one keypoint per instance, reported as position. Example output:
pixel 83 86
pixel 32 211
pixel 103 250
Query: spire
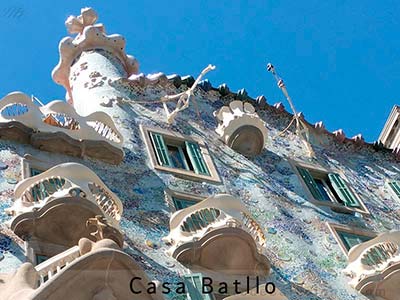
pixel 89 36
pixel 76 24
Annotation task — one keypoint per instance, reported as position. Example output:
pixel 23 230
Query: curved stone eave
pixel 60 142
pixel 387 281
pixel 60 221
pixel 206 253
pixel 15 131
pixel 247 140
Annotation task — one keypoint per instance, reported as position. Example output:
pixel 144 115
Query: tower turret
pixel 91 62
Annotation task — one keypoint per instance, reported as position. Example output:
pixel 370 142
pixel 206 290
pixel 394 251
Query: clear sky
pixel 339 59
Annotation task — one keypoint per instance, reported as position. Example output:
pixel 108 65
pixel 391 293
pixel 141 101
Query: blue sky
pixel 340 59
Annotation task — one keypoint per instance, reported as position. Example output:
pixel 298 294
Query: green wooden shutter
pixel 160 149
pixel 196 157
pixel 395 186
pixel 344 193
pixel 311 184
pixel 193 283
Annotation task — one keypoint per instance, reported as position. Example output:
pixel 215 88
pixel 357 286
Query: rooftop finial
pixel 87 17
pixel 301 127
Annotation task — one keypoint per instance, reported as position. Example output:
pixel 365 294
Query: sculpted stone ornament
pixel 241 128
pixel 57 127
pixel 376 263
pixel 218 224
pixel 183 98
pixel 100 223
pixel 76 24
pixel 104 230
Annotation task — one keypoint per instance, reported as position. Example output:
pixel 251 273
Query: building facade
pixel 145 186
pixel 390 135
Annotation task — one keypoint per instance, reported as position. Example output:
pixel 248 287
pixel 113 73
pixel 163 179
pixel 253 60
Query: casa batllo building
pixel 154 186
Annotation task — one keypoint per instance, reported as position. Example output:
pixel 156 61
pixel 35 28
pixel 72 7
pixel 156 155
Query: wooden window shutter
pixel 196 157
pixel 311 184
pixel 395 186
pixel 343 191
pixel 160 149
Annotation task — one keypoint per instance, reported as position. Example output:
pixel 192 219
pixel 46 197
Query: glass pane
pixel 322 189
pixel 181 203
pixel 40 258
pixel 351 239
pixel 35 171
pixel 177 159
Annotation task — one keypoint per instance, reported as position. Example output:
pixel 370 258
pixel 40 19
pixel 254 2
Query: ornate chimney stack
pixel 90 62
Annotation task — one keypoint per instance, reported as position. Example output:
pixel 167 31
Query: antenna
pixel 301 127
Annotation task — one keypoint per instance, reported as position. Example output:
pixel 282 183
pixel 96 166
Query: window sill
pixel 188 174
pixel 338 208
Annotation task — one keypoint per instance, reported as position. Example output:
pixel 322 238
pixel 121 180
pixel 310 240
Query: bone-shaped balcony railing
pixel 216 212
pixel 373 257
pixel 68 179
pixel 47 269
pixel 59 116
pixel 380 254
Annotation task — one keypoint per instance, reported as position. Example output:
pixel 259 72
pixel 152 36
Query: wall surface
pixel 306 260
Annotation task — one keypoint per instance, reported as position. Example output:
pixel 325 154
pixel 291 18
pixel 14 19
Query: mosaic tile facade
pixel 306 260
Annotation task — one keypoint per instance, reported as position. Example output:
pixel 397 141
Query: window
pixel 181 203
pixel 351 239
pixel 395 188
pixel 329 188
pixel 40 258
pixel 193 283
pixel 348 237
pixel 178 154
pixel 34 171
pixel 178 200
pixel 34 165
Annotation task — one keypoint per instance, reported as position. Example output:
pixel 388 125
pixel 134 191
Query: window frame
pixel 35 246
pixel 390 189
pixel 333 204
pixel 334 228
pixel 180 138
pixel 170 194
pixel 30 161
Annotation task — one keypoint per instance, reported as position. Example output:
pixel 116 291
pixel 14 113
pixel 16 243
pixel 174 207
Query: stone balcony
pixel 218 236
pixel 56 204
pixel 374 267
pixel 241 128
pixel 262 292
pixel 89 270
pixel 56 127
